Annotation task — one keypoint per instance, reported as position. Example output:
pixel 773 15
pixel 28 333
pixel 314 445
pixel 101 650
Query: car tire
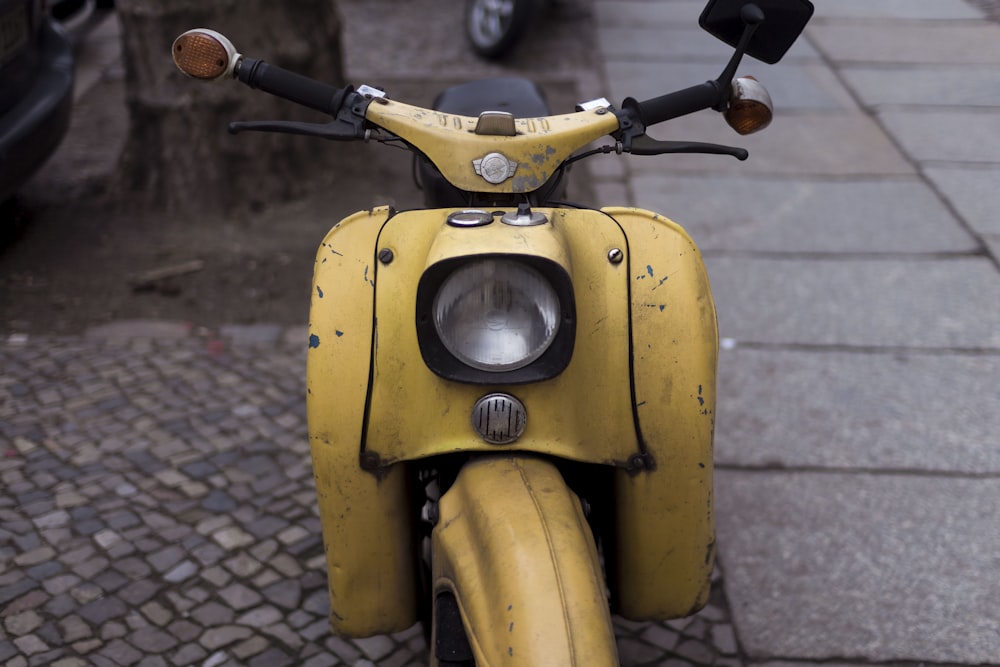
pixel 494 26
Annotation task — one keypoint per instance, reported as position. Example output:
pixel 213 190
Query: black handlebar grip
pixel 675 105
pixel 291 86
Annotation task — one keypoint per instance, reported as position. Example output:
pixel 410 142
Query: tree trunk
pixel 178 157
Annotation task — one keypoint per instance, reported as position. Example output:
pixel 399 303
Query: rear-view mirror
pixel 783 22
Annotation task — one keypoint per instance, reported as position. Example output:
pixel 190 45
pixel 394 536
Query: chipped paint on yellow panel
pixel 584 414
pixel 665 529
pixel 665 523
pixel 539 147
pixel 366 526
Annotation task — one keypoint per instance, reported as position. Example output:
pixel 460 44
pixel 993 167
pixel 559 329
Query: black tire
pixel 494 26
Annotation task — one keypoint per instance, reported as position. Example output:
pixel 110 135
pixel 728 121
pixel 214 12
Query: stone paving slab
pixel 97 53
pixel 945 303
pixel 973 192
pixel 789 408
pixel 898 9
pixel 633 44
pixel 643 13
pixel 686 12
pixel 975 43
pixel 861 567
pixel 667 31
pixel 992 242
pixel 806 216
pixel 946 136
pixel 941 85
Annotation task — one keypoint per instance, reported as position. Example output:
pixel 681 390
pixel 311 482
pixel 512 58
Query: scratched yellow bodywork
pixel 583 414
pixel 367 526
pixel 645 327
pixel 541 144
pixel 665 527
pixel 513 546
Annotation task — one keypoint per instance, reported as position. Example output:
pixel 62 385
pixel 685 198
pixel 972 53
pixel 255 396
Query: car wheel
pixel 494 26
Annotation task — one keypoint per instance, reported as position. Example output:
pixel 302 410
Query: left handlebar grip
pixel 291 86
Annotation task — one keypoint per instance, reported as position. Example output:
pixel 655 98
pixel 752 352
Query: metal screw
pixel 385 256
pixel 370 460
pixel 637 462
pixel 616 256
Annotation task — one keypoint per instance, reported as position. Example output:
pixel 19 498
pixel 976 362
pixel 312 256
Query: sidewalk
pixel 157 506
pixel 854 261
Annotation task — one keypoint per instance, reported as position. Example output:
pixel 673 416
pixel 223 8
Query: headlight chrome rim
pixel 496 314
pixel 439 360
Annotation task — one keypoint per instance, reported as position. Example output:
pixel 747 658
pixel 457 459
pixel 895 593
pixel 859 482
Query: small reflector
pixel 201 55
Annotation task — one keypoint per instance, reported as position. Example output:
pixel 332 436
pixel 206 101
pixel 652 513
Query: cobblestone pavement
pixel 158 509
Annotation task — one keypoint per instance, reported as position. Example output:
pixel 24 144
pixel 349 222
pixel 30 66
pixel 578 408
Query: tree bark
pixel 179 157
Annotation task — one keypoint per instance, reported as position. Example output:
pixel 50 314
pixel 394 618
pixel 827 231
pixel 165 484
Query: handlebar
pixel 674 105
pixel 206 54
pixel 329 99
pixel 291 86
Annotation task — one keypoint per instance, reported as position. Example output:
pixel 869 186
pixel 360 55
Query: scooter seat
pixel 517 96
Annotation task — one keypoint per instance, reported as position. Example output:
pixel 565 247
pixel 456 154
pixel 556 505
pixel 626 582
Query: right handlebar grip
pixel 291 86
pixel 675 105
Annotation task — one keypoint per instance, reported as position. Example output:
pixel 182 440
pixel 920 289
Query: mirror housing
pixel 783 22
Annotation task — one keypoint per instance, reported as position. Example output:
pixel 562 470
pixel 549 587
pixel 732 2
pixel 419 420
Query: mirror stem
pixel 752 16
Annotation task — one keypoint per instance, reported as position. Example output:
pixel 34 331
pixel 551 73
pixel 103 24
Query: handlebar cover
pixel 291 86
pixel 677 104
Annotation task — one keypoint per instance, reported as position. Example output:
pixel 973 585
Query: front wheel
pixel 494 26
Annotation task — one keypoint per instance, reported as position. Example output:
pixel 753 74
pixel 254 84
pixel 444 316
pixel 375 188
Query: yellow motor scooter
pixel 511 399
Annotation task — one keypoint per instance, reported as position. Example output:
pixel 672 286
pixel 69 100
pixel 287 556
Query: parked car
pixel 79 16
pixel 36 90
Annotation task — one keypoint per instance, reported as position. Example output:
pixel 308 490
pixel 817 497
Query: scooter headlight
pixel 496 314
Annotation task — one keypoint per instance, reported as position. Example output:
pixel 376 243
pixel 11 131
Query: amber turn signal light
pixel 750 109
pixel 204 54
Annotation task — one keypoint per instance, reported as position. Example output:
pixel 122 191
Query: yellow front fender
pixel 513 546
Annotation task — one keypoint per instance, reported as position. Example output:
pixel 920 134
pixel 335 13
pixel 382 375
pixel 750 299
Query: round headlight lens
pixel 496 314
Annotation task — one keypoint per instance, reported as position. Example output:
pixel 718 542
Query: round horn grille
pixel 499 419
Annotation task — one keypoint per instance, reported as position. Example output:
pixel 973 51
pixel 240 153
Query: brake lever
pixel 646 145
pixel 335 131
